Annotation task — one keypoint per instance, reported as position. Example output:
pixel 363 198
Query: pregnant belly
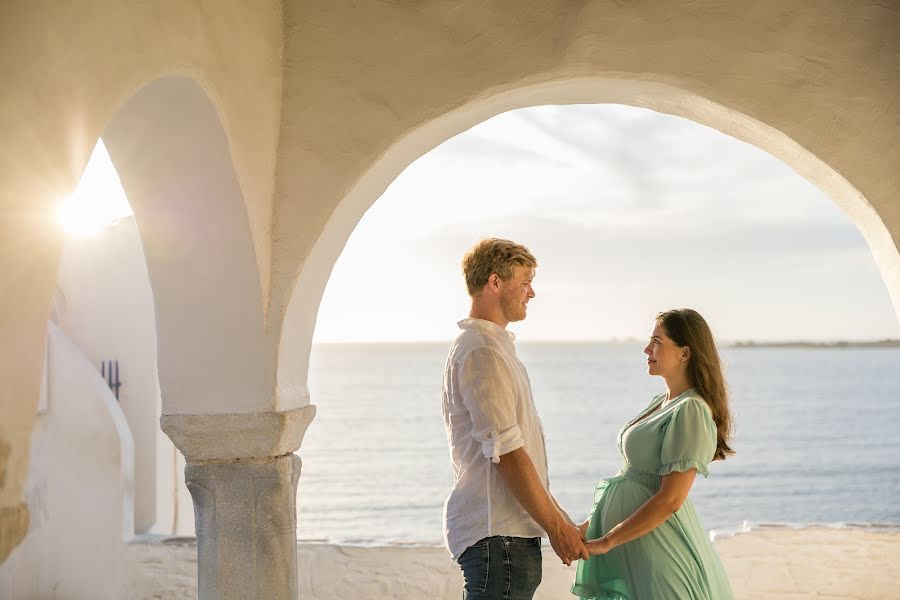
pixel 615 499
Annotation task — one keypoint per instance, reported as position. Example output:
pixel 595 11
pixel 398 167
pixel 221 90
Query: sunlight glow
pixel 99 199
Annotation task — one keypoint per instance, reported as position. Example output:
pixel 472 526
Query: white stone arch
pixel 171 151
pixel 302 309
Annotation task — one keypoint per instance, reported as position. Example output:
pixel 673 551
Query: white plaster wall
pixel 107 311
pixel 826 80
pixel 108 314
pixel 815 88
pixel 79 490
pixel 171 152
pixel 84 60
pixel 66 68
pixel 174 506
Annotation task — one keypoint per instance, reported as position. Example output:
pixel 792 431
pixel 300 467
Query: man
pixel 500 505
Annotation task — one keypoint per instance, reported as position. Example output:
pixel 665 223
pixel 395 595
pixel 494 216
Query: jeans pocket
pixel 475 563
pixel 524 555
pixel 520 542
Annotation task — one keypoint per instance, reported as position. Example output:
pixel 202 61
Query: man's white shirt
pixel 488 411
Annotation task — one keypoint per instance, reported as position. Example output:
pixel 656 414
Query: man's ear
pixel 494 281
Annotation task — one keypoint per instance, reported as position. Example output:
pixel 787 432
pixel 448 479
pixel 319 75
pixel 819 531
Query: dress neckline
pixel 656 408
pixel 671 401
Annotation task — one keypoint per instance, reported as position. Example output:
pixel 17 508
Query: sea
pixel 817 436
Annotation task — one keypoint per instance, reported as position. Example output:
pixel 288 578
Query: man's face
pixel 515 293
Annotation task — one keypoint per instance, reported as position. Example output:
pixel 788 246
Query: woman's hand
pixel 583 527
pixel 598 546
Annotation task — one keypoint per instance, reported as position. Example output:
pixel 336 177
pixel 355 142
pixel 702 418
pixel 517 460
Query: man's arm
pixel 519 474
pixel 562 511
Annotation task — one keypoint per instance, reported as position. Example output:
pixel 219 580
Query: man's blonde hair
pixel 493 255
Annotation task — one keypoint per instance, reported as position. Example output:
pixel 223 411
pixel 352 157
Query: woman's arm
pixel 651 514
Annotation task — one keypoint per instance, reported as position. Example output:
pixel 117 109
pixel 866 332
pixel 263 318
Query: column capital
pixel 225 437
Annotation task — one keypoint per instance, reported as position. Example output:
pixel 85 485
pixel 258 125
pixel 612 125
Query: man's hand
pixel 567 542
pixel 519 474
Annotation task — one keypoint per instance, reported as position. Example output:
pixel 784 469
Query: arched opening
pixel 302 73
pixel 105 309
pixel 173 157
pixel 387 397
pixel 301 312
pixel 158 295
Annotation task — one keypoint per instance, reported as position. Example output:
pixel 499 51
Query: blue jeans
pixel 501 568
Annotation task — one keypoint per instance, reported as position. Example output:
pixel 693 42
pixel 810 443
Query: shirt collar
pixel 488 327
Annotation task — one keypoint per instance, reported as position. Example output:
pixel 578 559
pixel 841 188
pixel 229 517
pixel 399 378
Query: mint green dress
pixel 676 560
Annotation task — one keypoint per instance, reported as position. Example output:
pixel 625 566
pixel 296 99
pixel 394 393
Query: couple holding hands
pixel 643 539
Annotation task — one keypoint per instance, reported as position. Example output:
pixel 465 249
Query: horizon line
pixel 626 340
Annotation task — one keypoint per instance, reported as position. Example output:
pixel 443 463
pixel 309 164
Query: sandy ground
pixel 775 564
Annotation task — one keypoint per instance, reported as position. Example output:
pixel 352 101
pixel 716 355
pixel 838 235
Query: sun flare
pixel 98 201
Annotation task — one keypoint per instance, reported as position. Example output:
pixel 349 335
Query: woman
pixel 645 539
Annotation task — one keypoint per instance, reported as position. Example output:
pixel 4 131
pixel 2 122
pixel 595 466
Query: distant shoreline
pixel 803 344
pixel 887 343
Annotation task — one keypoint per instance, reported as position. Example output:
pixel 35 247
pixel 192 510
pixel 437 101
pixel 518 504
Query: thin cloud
pixel 628 211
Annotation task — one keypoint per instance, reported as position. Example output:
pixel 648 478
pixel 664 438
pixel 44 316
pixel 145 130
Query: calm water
pixel 817 436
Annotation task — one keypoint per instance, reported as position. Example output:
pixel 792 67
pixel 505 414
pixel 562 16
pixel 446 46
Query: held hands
pixel 598 546
pixel 567 542
pixel 583 528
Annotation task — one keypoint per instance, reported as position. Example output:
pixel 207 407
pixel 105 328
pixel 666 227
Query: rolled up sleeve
pixel 488 390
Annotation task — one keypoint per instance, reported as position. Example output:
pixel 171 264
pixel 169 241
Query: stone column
pixel 242 476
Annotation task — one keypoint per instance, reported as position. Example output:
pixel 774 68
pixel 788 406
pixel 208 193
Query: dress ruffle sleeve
pixel 690 439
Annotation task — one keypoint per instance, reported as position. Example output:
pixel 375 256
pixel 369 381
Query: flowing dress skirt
pixel 674 561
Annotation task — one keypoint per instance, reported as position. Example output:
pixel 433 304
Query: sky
pixel 628 212
pixel 97 201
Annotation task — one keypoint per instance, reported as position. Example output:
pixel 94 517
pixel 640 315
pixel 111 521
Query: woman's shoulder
pixel 692 400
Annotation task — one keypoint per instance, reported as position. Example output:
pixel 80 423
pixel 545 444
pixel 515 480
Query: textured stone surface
pixel 227 437
pixel 161 568
pixel 245 513
pixel 13 526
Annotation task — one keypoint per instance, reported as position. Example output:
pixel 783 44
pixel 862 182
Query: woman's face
pixel 664 357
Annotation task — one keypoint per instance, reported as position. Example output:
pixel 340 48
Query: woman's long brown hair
pixel 686 327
